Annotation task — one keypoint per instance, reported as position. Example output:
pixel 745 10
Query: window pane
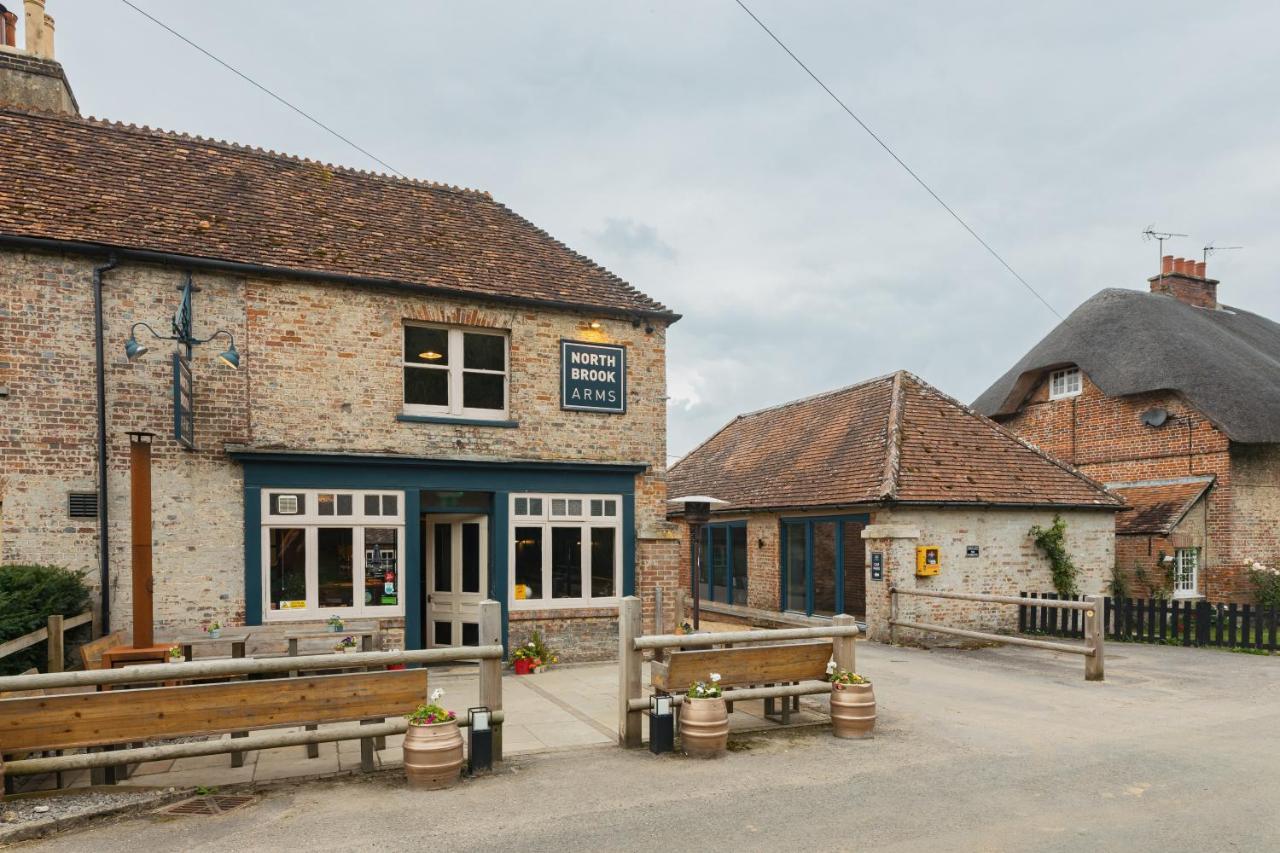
pixel 381 562
pixel 443 633
pixel 470 634
pixel 426 387
pixel 522 506
pixel 390 504
pixel 575 508
pixel 528 562
pixel 288 568
pixel 483 352
pixel 470 557
pixel 324 504
pixel 288 504
pixel 566 562
pixel 483 391
pixel 558 506
pixel 333 564
pixel 442 552
pixel 739 581
pixel 824 568
pixel 597 508
pixel 372 506
pixel 610 508
pixel 717 564
pixel 603 540
pixel 426 346
pixel 535 506
pixel 795 567
pixel 344 504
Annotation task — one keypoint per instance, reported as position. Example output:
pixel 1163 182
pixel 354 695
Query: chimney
pixel 30 79
pixel 1186 281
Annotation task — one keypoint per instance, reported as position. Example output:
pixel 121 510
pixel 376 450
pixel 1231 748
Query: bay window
pixel 330 552
pixel 455 372
pixel 566 550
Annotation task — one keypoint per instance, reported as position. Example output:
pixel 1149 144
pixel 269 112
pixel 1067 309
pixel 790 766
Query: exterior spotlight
pixel 133 349
pixel 231 358
pixel 480 737
pixel 662 724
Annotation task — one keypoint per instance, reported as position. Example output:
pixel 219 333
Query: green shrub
pixel 29 595
pixel 1053 542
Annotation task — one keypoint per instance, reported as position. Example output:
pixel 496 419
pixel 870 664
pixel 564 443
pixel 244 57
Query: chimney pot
pixel 1180 266
pixel 35 26
pixel 9 26
pixel 47 43
pixel 1166 264
pixel 1200 267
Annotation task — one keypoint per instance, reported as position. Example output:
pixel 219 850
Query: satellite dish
pixel 1155 417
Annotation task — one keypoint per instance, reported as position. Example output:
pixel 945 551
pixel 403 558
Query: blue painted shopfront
pixel 414 478
pixel 823 565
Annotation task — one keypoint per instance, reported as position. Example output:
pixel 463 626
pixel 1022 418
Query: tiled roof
pixel 88 181
pixel 1155 507
pixel 895 439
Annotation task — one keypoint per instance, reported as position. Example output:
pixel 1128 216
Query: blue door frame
pixel 413 476
pixel 784 556
pixel 708 592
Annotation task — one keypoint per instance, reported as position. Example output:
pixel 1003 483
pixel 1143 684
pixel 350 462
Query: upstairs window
pixel 1064 383
pixel 455 372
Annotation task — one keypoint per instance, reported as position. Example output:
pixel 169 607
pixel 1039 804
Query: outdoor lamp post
pixel 480 739
pixel 662 724
pixel 697 512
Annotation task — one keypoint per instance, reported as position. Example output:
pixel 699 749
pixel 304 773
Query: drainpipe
pixel 104 536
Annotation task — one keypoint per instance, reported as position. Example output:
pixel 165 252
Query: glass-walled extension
pixel 823 563
pixel 724 563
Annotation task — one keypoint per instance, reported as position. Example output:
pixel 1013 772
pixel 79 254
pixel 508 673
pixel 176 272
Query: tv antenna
pixel 1211 249
pixel 1159 236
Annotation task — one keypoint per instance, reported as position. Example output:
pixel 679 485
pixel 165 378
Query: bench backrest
pixel 122 716
pixel 744 665
pixel 91 652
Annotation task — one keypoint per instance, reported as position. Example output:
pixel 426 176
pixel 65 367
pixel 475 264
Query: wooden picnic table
pixel 367 745
pixel 188 643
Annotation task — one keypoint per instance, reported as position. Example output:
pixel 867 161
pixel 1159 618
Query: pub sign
pixel 593 377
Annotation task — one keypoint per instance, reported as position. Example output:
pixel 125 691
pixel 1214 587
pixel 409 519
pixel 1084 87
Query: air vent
pixel 82 504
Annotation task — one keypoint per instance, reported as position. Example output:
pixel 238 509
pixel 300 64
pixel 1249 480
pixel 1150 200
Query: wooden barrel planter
pixel 704 727
pixel 432 755
pixel 853 710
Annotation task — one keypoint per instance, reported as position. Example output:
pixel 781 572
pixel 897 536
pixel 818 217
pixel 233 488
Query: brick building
pixel 829 500
pixel 436 401
pixel 1173 400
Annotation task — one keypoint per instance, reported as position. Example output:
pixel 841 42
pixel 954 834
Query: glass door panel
pixel 797 570
pixel 738 563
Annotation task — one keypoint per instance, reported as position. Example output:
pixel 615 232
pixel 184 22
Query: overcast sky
pixel 674 143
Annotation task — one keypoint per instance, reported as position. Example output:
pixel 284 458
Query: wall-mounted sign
pixel 971 550
pixel 593 377
pixel 184 424
pixel 877 565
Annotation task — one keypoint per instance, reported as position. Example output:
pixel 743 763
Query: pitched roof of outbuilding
pixel 86 181
pixel 1224 361
pixel 1155 507
pixel 895 439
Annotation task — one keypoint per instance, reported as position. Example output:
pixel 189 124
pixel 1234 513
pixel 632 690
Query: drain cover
pixel 211 805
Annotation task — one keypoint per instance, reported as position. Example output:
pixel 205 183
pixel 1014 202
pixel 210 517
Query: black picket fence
pixel 1173 622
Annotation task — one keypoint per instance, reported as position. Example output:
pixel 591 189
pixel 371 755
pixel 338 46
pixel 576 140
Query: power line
pixel 919 180
pixel 256 84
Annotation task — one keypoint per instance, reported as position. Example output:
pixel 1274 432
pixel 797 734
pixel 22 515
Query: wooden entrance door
pixel 457 556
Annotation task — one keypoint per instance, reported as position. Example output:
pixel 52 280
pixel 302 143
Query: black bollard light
pixel 480 739
pixel 662 724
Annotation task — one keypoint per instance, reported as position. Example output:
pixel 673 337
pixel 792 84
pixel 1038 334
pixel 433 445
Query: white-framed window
pixel 566 551
pixel 455 372
pixel 1186 572
pixel 331 552
pixel 1064 383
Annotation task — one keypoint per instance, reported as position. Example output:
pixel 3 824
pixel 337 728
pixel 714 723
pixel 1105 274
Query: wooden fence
pixel 1088 609
pixel 1167 621
pixel 55 632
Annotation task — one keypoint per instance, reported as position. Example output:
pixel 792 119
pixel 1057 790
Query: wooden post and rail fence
pixel 54 632
pixel 100 720
pixel 798 666
pixel 1091 606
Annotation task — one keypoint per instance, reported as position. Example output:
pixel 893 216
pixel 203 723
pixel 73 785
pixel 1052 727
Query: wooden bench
pixel 746 666
pixel 91 652
pixel 108 718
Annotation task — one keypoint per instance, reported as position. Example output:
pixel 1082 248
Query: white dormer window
pixel 1064 383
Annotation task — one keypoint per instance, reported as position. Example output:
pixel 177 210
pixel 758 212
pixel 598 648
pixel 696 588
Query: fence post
pixel 629 663
pixel 659 623
pixel 55 643
pixel 1094 631
pixel 491 668
pixel 842 651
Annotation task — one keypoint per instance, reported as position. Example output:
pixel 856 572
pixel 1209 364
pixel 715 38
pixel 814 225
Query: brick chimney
pixel 1185 280
pixel 30 79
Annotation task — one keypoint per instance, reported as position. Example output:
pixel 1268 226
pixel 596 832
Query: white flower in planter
pixel 437 694
pixel 715 678
pixel 831 666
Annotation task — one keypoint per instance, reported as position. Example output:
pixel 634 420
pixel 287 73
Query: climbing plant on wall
pixel 1052 540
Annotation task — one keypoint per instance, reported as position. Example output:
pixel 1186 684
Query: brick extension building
pixel 1173 400
pixel 829 499
pixel 395 445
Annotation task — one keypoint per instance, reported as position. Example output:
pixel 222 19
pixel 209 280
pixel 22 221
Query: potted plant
pixel 214 629
pixel 704 719
pixel 522 660
pixel 853 703
pixel 432 746
pixel 175 654
pixel 533 656
pixel 335 623
pixel 347 645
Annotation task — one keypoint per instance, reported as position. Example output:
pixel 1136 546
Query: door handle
pixel 428 598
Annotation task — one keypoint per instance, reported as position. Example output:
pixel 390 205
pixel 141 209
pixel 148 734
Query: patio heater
pixel 697 512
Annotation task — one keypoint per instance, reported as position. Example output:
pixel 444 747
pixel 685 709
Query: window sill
pixel 445 419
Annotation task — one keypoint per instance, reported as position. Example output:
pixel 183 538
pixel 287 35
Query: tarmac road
pixel 994 749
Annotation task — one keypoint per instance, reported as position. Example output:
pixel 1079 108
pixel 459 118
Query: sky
pixel 677 145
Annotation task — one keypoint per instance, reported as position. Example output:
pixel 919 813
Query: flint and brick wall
pixel 321 371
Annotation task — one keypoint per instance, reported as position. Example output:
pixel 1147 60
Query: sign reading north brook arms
pixel 593 377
